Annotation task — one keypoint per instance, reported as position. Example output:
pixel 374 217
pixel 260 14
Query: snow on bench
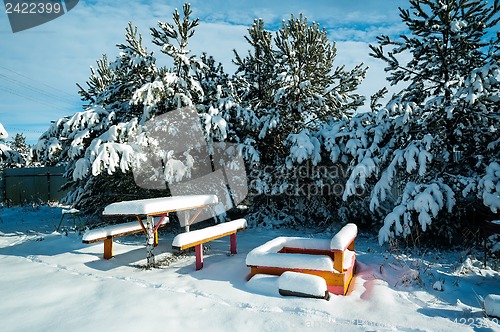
pixel 279 252
pixel 271 254
pixel 198 237
pixel 343 246
pixel 107 234
pixel 344 237
pixel 302 285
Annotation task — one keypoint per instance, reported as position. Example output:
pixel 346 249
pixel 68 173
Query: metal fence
pixel 27 185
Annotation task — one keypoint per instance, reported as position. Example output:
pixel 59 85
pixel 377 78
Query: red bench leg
pixel 233 243
pixel 198 249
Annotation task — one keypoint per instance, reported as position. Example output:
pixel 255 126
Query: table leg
pixel 150 242
pixel 233 243
pixel 188 220
pixel 198 250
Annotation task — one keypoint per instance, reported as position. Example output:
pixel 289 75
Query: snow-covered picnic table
pixel 160 207
pixel 155 207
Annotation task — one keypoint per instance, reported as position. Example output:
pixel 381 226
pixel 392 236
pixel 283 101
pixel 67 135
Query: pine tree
pixel 19 144
pixel 198 84
pixel 447 38
pixel 257 68
pixel 288 88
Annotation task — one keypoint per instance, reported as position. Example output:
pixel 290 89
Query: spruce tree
pixel 19 145
pixel 429 159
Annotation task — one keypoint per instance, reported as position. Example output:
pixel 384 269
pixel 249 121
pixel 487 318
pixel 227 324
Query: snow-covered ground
pixel 51 281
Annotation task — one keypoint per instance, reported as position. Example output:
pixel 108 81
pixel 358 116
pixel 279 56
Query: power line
pixel 34 89
pixel 26 130
pixel 25 96
pixel 39 82
pixel 51 97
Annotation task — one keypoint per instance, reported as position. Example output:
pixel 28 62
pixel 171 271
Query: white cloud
pixel 366 33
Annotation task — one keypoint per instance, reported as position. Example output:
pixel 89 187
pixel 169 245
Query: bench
pixel 108 233
pixel 332 259
pixel 74 214
pixel 198 237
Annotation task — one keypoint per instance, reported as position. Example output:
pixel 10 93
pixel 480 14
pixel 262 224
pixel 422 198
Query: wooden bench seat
pixel 198 237
pixel 107 233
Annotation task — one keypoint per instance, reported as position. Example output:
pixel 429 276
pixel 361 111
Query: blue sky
pixel 40 67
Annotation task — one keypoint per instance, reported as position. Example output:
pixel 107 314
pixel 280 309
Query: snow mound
pixel 438 285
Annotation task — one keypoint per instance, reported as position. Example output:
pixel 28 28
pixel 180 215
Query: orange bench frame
pixel 108 240
pixel 337 282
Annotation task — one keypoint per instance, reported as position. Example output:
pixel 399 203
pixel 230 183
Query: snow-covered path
pixel 54 282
